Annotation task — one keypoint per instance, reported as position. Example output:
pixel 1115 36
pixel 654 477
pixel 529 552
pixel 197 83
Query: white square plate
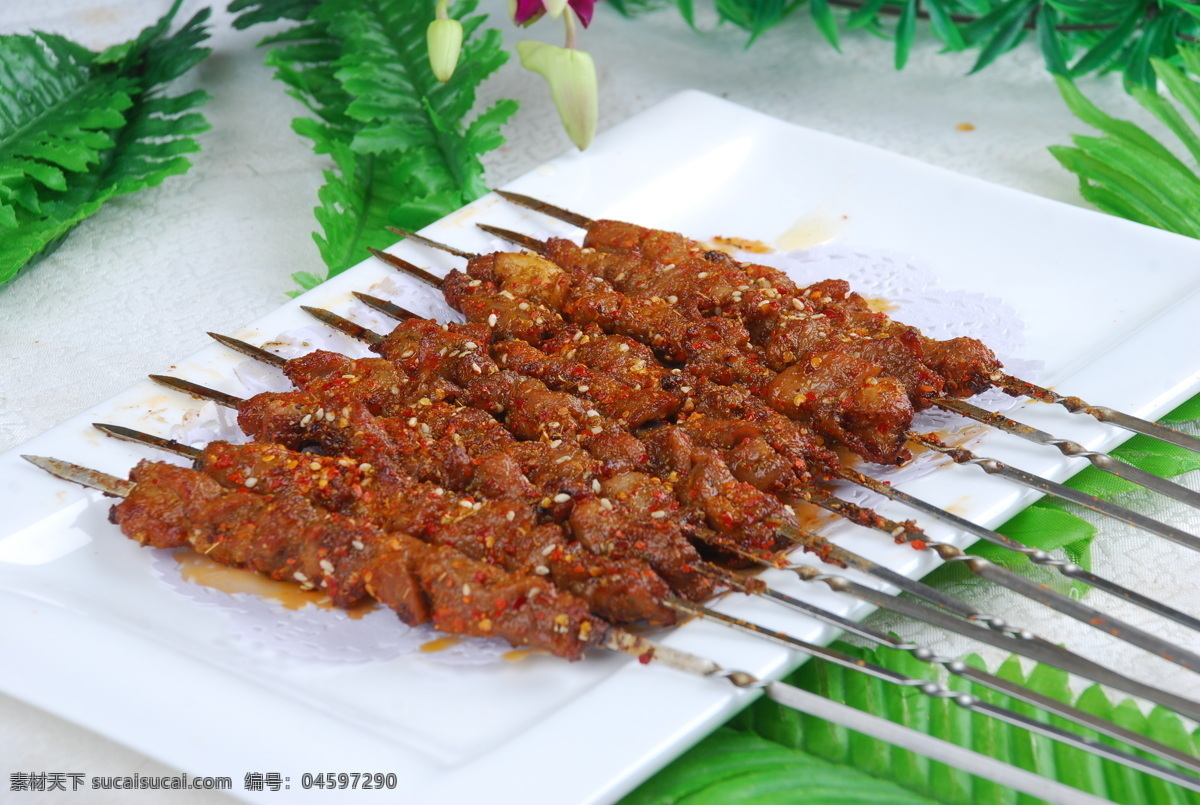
pixel 106 644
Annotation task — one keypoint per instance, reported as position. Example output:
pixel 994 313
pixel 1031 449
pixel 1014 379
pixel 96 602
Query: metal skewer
pixel 1008 383
pixel 627 643
pixel 1101 461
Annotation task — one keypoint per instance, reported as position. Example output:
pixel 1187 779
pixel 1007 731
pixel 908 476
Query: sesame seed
pixel 597 430
pixel 702 275
pixel 251 483
pixel 555 444
pixel 298 576
pixel 606 503
pixel 474 283
pixel 561 459
pixel 510 515
pixel 357 545
pixel 327 566
pixel 549 549
pixel 471 345
pixel 466 590
pixel 673 299
pixel 592 412
pixel 542 570
pixel 561 497
pixel 596 485
pixel 492 320
pixel 624 347
pixel 466 504
pixel 584 389
pixel 685 389
pixel 320 413
pixel 658 515
pixel 314 465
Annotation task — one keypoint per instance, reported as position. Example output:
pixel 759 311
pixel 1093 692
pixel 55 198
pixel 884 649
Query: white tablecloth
pixel 138 284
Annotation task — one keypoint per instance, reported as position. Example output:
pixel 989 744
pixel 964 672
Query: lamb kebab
pixel 716 492
pixel 299 419
pixel 613 356
pixel 845 398
pixel 769 451
pixel 1043 595
pixel 423 583
pixel 956 359
pixel 522 274
pixel 266 469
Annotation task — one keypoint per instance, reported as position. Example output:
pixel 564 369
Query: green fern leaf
pixel 87 127
pixel 403 151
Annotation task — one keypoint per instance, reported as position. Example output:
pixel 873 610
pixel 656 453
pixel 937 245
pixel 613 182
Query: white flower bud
pixel 444 38
pixel 572 77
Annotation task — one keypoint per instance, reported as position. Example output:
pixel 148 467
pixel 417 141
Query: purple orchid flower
pixel 526 12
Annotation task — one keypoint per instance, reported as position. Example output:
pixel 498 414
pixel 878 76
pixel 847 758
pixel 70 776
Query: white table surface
pixel 138 284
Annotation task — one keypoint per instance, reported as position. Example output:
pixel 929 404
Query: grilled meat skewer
pixel 233 466
pixel 619 235
pixel 1084 614
pixel 287 538
pixel 845 398
pixel 429 573
pixel 727 400
pixel 1099 460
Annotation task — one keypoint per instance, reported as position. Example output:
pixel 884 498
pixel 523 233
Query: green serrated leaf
pixel 83 128
pixel 404 148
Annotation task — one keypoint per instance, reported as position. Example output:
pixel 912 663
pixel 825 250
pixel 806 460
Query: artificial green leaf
pixel 943 25
pixel 749 762
pixel 1158 106
pixel 730 766
pixel 906 31
pixel 1182 88
pixel 405 152
pixel 1174 191
pixel 84 128
pixel 1049 42
pixel 1186 411
pixel 1108 47
pixel 865 15
pixel 1007 32
pixel 826 24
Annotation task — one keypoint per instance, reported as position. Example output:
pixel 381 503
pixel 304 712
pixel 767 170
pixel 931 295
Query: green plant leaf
pixel 1108 47
pixel 826 24
pixel 943 25
pixel 772 754
pixel 1049 41
pixel 1007 28
pixel 906 31
pixel 405 151
pixel 83 128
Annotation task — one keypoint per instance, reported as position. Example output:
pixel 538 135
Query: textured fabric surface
pixel 137 285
